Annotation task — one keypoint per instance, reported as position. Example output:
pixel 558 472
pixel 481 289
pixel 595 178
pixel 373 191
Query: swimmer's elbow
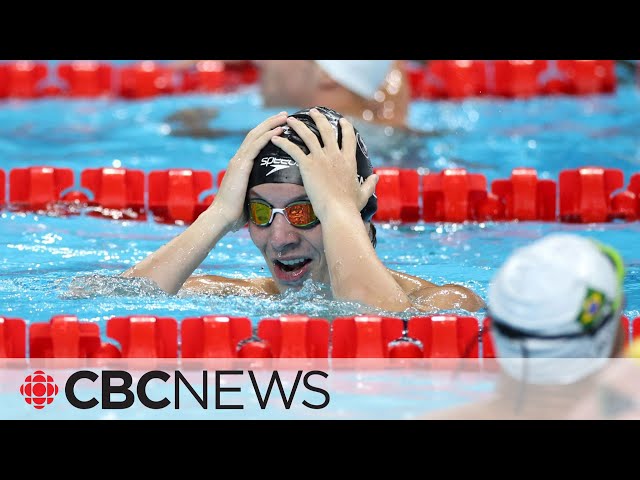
pixel 447 297
pixel 397 301
pixel 127 274
pixel 132 273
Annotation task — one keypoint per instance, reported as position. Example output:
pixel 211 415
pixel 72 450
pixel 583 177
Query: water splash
pixel 110 286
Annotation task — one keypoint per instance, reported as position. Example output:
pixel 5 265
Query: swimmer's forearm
pixel 173 263
pixel 355 270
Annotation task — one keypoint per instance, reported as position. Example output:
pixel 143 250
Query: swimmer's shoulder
pixel 217 285
pixel 410 283
pixel 429 297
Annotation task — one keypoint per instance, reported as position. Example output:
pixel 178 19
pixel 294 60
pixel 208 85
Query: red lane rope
pixel 582 195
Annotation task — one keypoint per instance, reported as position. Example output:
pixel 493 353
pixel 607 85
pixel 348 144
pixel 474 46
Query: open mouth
pixel 291 270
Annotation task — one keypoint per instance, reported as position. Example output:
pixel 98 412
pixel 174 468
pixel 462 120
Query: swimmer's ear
pixel 372 234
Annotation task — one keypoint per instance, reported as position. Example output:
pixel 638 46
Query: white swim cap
pixel 560 285
pixel 363 77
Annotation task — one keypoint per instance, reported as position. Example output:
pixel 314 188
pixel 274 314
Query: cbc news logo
pixel 39 389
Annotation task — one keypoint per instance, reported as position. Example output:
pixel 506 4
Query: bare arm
pixel 330 180
pixel 172 264
pixel 446 297
pixel 410 283
pixel 356 272
pixel 216 285
pixel 429 297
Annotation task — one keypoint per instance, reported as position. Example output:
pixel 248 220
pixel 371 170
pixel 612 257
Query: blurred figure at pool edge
pixel 331 243
pixel 555 308
pixel 373 94
pixel 369 90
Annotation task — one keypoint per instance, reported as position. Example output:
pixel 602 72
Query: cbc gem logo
pixel 39 389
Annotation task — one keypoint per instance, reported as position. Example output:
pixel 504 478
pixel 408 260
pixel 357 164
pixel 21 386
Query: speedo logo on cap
pixel 277 164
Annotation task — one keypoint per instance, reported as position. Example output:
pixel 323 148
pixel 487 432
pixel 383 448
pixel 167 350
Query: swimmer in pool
pixel 373 94
pixel 375 91
pixel 306 186
pixel 555 308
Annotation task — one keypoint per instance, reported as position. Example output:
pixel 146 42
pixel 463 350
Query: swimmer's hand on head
pixel 230 199
pixel 329 174
pixel 173 263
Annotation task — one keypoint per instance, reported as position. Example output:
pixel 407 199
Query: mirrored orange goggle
pixel 298 214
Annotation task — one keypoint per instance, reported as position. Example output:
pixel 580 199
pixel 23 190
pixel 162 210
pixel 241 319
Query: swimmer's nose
pixel 282 233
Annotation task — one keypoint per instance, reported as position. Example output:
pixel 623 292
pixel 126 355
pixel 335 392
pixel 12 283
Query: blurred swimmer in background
pixel 555 308
pixel 373 94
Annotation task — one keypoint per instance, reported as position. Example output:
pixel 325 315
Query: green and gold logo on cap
pixel 592 308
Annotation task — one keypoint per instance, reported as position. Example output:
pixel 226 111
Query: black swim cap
pixel 274 165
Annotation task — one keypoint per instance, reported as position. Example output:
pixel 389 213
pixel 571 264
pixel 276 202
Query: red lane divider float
pixel 3 193
pixel 65 337
pixel 22 79
pixel 464 78
pixel 207 76
pixel 86 78
pixel 218 76
pixel 635 327
pixel 488 346
pixel 364 336
pixel 583 195
pixel 38 188
pixel 589 76
pixel 518 78
pixel 626 326
pixel 458 79
pixel 174 193
pixel 290 336
pixel 446 336
pixel 398 190
pixel 295 336
pixel 12 337
pixel 213 336
pixel 437 79
pixel 146 79
pixel 632 199
pixel 525 197
pixel 254 347
pixel 145 336
pixel 452 195
pixel 118 192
